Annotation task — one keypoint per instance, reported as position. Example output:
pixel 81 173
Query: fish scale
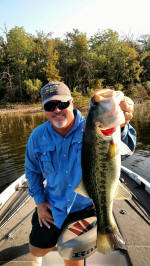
pixel 95 171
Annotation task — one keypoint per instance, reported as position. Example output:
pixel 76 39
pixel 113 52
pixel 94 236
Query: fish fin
pixel 108 242
pixel 122 193
pixel 112 150
pixel 80 189
pixel 124 149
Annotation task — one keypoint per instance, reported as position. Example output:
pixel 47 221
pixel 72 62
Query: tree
pixel 51 59
pixel 115 61
pixel 7 90
pixel 45 58
pixel 103 60
pixel 19 45
pixel 33 89
pixel 74 60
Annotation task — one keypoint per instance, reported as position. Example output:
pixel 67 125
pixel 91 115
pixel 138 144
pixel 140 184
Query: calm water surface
pixel 15 129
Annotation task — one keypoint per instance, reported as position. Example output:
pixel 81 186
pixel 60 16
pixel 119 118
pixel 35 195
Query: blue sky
pixel 127 17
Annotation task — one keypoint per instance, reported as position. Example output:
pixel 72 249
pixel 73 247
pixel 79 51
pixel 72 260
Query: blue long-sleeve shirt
pixel 57 159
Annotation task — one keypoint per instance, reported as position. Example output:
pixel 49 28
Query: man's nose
pixel 57 110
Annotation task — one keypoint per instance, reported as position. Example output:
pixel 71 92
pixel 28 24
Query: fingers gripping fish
pixel 101 164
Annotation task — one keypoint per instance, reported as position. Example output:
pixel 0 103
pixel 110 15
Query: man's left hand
pixel 127 106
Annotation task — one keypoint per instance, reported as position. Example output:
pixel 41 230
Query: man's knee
pixel 39 252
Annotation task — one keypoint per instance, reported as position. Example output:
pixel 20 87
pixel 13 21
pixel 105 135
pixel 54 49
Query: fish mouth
pixel 104 131
pixel 108 131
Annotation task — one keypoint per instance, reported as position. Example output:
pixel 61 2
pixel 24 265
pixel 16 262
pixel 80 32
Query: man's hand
pixel 44 215
pixel 127 106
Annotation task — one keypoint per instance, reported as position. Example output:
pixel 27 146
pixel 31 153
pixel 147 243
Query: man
pixel 53 153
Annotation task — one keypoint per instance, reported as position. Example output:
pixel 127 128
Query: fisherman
pixel 53 153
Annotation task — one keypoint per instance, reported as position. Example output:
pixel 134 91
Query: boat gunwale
pixel 137 178
pixel 11 189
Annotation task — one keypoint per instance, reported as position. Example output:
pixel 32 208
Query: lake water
pixel 15 129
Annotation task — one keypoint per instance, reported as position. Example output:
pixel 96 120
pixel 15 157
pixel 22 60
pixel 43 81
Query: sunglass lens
pixel 63 105
pixel 50 106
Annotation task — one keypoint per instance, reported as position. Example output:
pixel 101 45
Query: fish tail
pixel 109 242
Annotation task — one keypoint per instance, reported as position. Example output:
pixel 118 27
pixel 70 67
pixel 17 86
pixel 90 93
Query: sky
pixel 127 17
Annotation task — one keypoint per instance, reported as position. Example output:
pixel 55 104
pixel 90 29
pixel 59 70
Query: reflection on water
pixel 14 132
pixel 15 129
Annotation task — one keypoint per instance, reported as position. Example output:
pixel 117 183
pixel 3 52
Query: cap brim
pixel 58 98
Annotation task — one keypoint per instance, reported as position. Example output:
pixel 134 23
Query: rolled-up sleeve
pixel 128 136
pixel 33 174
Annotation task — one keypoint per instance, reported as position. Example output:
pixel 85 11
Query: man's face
pixel 61 119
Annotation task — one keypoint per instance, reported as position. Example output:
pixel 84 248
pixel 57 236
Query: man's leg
pixel 42 239
pixel 73 263
pixel 39 252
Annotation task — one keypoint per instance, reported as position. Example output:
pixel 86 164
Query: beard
pixel 62 120
pixel 60 124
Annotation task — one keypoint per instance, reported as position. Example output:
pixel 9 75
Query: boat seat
pixel 78 239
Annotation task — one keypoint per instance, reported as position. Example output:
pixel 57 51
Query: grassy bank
pixel 81 102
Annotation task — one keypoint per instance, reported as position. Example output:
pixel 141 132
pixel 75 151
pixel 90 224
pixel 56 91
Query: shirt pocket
pixel 45 161
pixel 77 149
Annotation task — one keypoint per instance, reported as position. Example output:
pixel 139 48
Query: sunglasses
pixel 50 106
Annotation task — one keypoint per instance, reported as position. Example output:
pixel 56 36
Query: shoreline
pixel 36 108
pixel 31 108
pixel 21 108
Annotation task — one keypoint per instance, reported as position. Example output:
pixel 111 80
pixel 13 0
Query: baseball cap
pixel 55 91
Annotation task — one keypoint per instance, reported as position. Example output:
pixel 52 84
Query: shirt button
pixel 65 155
pixel 68 200
pixel 69 185
pixel 66 172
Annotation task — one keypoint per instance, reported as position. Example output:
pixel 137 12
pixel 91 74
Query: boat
pixel 132 217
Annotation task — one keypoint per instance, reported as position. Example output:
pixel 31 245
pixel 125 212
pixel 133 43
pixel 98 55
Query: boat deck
pixel 134 225
pixel 132 216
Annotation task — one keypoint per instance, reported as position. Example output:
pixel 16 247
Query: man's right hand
pixel 44 215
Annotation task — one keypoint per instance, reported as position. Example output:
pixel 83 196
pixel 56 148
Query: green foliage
pixel 115 61
pixel 89 92
pixel 119 87
pixel 105 60
pixel 33 88
pixel 136 91
pixel 80 100
pixel 147 86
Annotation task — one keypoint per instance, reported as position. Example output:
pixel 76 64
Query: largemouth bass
pixel 101 164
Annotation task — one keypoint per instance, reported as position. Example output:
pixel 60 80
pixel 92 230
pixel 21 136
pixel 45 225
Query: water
pixel 139 162
pixel 15 129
